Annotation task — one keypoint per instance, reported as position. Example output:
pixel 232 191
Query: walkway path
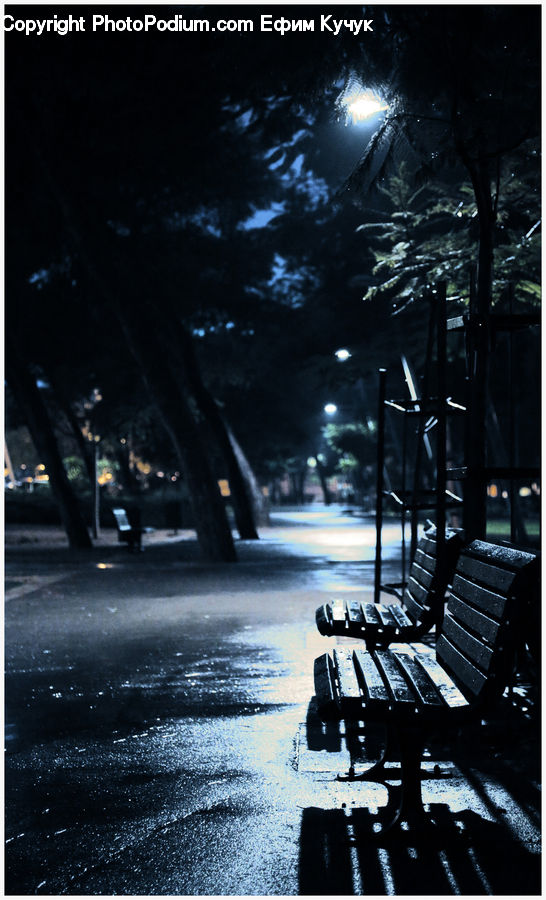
pixel 161 738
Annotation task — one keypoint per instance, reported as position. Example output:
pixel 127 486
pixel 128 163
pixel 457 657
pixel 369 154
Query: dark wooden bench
pixel 379 624
pixel 413 690
pixel 129 532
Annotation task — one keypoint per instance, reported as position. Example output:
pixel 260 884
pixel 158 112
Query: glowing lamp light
pixel 330 409
pixel 363 105
pixel 343 355
pixel 311 462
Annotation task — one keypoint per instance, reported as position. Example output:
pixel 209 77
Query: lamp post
pixel 95 525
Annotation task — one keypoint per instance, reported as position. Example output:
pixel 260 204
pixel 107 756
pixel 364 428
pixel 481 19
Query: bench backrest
pixel 122 522
pixel 425 591
pixel 481 627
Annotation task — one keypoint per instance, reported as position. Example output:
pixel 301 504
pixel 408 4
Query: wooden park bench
pixel 129 533
pixel 379 624
pixel 414 691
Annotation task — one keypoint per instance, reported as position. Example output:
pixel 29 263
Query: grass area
pixel 499 529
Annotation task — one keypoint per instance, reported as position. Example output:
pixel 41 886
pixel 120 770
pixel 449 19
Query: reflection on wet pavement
pixel 161 736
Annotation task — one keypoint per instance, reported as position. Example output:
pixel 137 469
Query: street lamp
pixel 330 409
pixel 95 525
pixel 361 103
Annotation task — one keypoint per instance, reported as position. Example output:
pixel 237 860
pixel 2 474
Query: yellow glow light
pixel 223 484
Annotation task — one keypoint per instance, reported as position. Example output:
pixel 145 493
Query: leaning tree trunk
pixel 257 499
pixel 240 486
pixel 207 506
pixel 29 399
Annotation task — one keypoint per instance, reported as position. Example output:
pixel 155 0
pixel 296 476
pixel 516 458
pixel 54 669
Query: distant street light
pixel 330 409
pixel 343 354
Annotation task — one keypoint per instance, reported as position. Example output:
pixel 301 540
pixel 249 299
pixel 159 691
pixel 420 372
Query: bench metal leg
pixel 409 809
pixel 376 770
pixel 405 804
pixel 411 745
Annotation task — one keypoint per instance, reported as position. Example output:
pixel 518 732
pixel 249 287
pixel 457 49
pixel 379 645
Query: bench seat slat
pixel 387 619
pixel 456 662
pixel 489 576
pixel 338 610
pixel 425 560
pixel 479 596
pixel 122 520
pixel 349 689
pixel 355 616
pixel 418 592
pixel 396 683
pixel 421 683
pixel 422 576
pixel 371 616
pixel 323 619
pixel 502 555
pixel 475 650
pixel 325 691
pixel 413 608
pixel 446 687
pixel 370 678
pixel 429 545
pixel 475 620
pixel 402 619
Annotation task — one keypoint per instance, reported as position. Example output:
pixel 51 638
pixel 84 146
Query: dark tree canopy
pixel 180 207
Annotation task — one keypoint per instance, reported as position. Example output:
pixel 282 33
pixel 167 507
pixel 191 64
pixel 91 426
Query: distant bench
pixel 422 601
pixel 129 533
pixel 411 689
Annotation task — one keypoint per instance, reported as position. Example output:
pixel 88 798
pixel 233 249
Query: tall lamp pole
pixel 95 525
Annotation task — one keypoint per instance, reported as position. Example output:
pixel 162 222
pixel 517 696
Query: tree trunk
pixel 31 403
pixel 128 479
pixel 259 503
pixel 213 531
pixel 297 479
pixel 84 446
pixel 240 487
pixel 323 482
pixel 211 524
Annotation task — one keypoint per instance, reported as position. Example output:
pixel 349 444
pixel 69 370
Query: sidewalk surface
pixel 161 736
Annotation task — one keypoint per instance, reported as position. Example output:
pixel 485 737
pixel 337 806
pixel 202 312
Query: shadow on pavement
pixel 463 854
pixel 488 847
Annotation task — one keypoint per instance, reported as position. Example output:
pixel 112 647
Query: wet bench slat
pixel 370 677
pixel 386 616
pixel 422 604
pixel 395 682
pixel 402 619
pixel 421 684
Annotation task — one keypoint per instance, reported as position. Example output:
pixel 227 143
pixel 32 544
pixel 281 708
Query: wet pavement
pixel 161 737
